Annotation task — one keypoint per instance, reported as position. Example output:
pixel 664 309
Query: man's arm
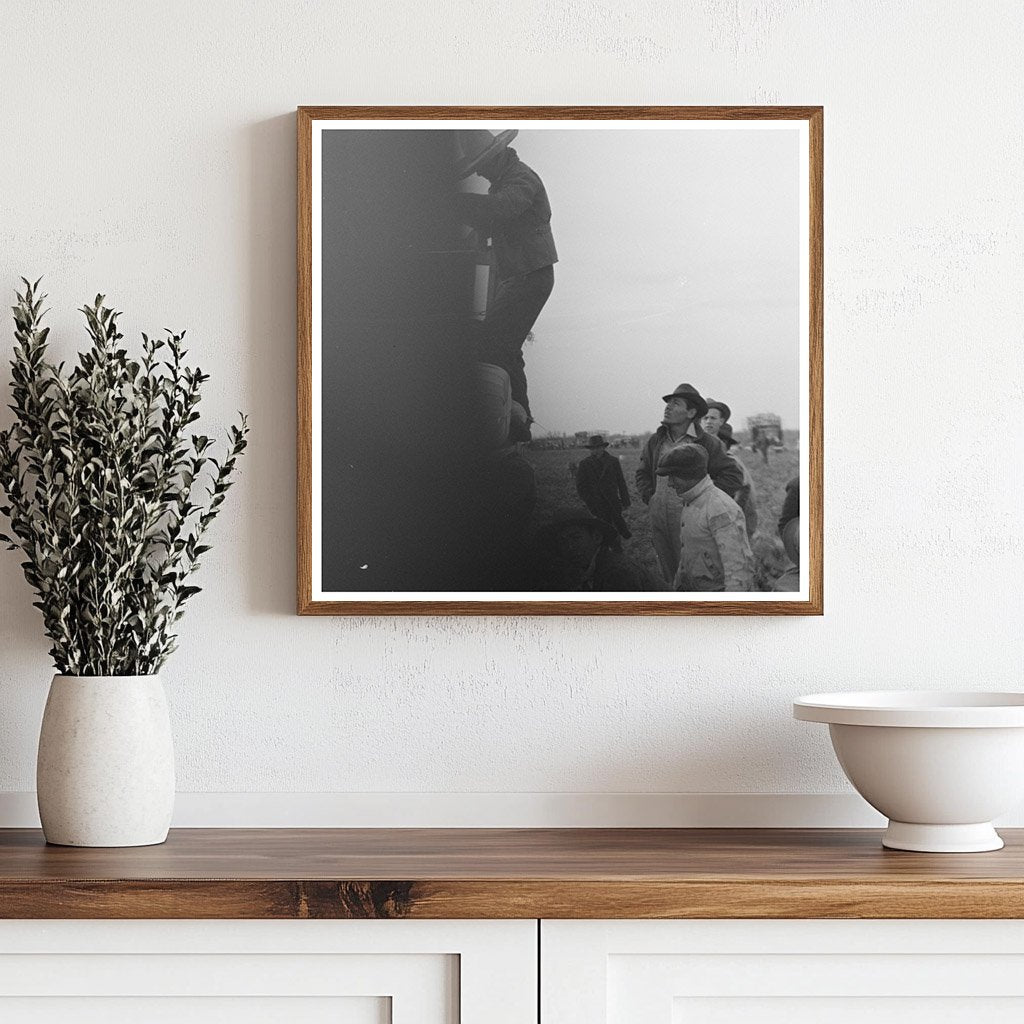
pixel 791 504
pixel 488 212
pixel 730 534
pixel 620 483
pixel 645 476
pixel 725 473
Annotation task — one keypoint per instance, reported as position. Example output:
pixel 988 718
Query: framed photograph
pixel 560 361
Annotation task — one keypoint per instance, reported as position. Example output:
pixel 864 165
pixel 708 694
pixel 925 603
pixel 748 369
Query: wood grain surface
pixel 508 873
pixel 306 605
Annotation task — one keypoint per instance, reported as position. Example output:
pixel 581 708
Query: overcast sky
pixel 678 261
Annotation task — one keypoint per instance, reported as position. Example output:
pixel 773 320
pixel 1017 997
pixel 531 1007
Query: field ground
pixel 556 489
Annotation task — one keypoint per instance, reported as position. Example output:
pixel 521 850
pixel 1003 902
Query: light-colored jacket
pixel 715 553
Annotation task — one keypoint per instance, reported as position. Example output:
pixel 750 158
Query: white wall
pixel 148 152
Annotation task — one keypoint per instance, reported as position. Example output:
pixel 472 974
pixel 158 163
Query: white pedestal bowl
pixel 940 766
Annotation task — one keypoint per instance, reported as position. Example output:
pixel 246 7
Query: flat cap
pixel 689 460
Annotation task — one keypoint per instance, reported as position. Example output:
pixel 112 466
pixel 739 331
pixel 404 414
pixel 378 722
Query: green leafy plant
pixel 108 494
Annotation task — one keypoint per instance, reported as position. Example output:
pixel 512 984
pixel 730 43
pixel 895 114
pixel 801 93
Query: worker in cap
pixel 516 215
pixel 714 553
pixel 680 425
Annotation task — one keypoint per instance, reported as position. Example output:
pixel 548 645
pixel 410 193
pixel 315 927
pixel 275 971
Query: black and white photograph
pixel 559 363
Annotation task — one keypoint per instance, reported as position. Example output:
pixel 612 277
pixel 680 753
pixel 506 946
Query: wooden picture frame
pixel 337 203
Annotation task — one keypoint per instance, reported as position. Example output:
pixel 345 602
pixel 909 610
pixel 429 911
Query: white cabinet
pixel 486 972
pixel 258 972
pixel 782 972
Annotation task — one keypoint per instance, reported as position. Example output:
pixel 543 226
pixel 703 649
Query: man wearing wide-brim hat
pixel 684 409
pixel 716 417
pixel 516 215
pixel 602 486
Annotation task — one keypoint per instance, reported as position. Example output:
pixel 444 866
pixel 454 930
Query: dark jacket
pixel 610 571
pixel 791 504
pixel 601 485
pixel 516 215
pixel 614 571
pixel 725 473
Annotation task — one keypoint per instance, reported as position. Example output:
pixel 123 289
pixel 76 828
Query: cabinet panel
pixel 186 1010
pixel 306 972
pixel 732 972
pixel 847 1010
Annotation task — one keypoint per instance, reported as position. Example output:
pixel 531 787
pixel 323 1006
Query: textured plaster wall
pixel 148 152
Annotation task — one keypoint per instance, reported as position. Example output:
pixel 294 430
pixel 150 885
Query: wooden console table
pixel 496 926
pixel 507 874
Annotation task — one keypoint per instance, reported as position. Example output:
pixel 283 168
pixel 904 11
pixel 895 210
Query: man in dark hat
pixel 575 552
pixel 714 553
pixel 601 485
pixel 680 424
pixel 716 417
pixel 516 215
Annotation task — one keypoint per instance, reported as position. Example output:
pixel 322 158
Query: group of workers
pixel 700 498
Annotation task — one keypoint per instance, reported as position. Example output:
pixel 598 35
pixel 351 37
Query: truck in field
pixel 765 432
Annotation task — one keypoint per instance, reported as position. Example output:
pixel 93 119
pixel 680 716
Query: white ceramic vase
pixel 105 771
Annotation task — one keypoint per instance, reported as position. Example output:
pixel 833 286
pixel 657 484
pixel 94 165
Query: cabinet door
pixel 782 972
pixel 258 972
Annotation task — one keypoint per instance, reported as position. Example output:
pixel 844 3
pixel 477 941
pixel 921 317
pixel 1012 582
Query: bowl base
pixel 978 838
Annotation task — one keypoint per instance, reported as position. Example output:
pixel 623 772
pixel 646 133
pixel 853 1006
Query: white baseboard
pixel 504 810
pixel 496 810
